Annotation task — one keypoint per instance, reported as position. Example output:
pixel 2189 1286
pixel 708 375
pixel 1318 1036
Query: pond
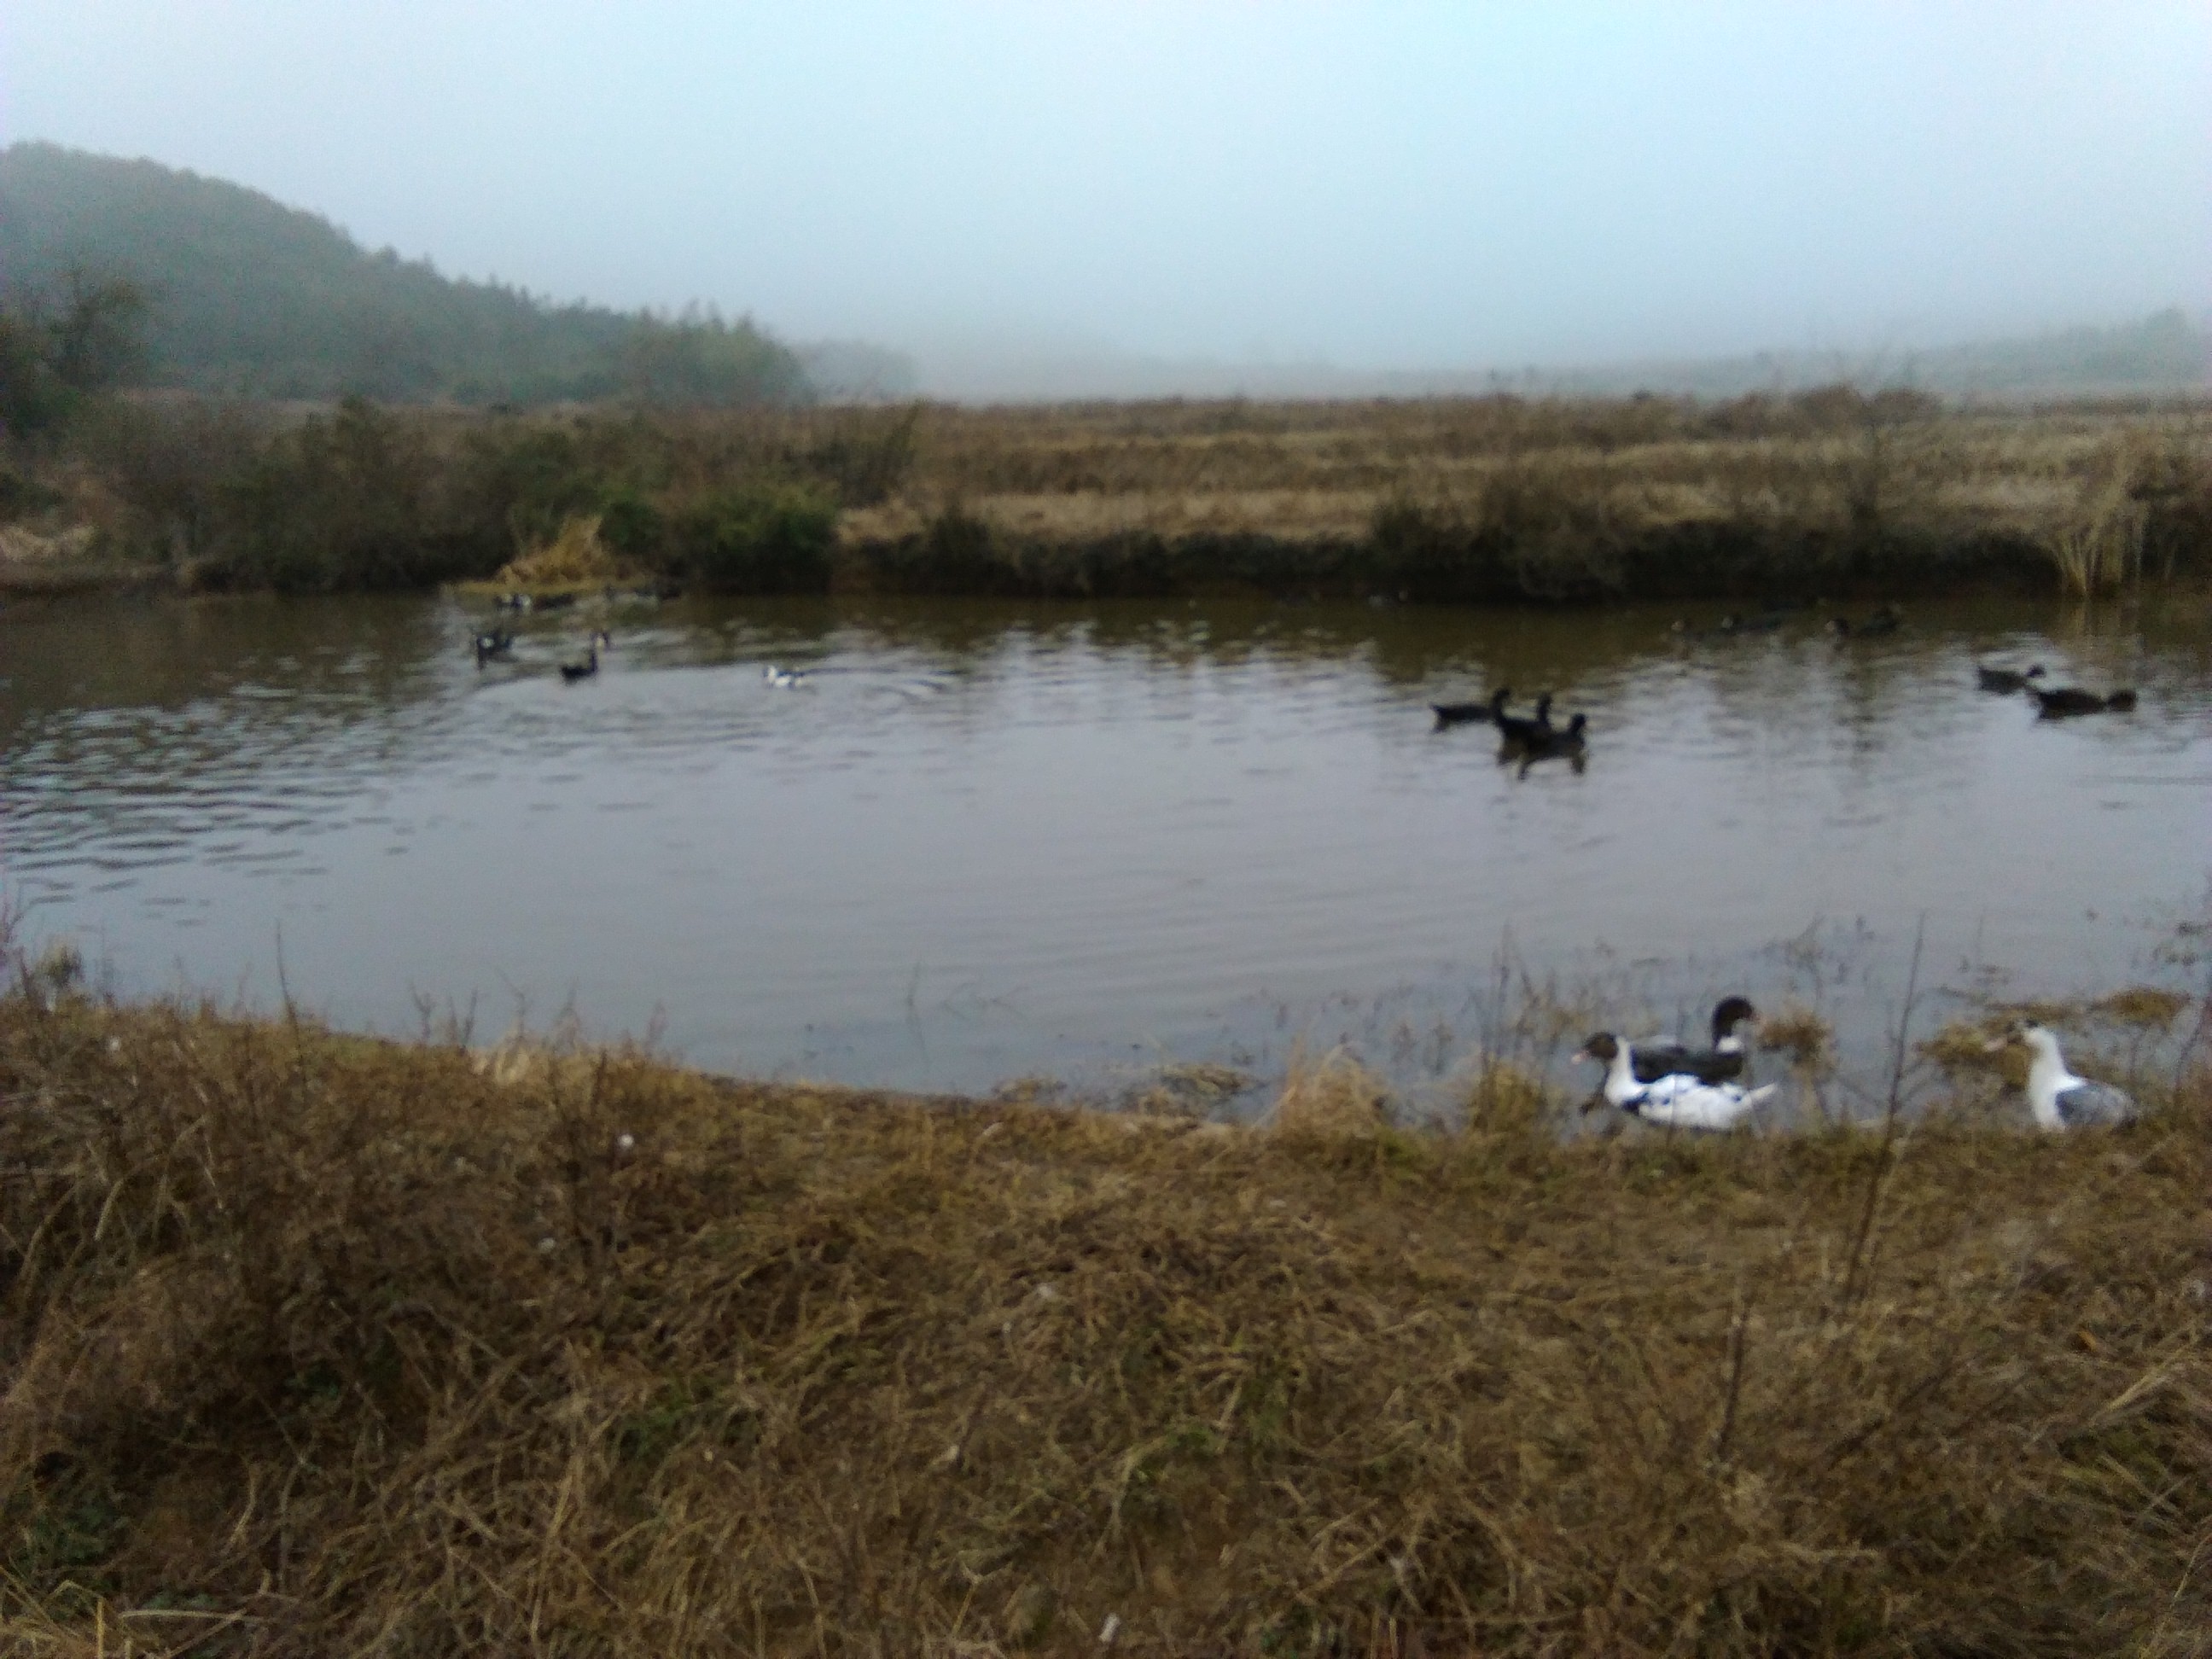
pixel 981 841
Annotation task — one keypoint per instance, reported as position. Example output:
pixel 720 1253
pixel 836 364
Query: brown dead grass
pixel 319 1344
pixel 573 556
pixel 1784 485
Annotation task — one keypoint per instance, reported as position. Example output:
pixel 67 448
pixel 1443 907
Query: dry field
pixel 1828 493
pixel 316 1345
pixel 1585 499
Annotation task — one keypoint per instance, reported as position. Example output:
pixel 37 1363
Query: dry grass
pixel 319 1344
pixel 573 556
pixel 1506 498
pixel 1827 492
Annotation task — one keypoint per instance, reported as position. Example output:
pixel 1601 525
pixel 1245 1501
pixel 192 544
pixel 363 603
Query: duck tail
pixel 1761 1095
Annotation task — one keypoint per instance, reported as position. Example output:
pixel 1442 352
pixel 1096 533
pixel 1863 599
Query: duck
pixel 496 645
pixel 1657 1057
pixel 1519 728
pixel 2059 1099
pixel 1547 742
pixel 2006 680
pixel 1731 625
pixel 783 678
pixel 573 672
pixel 1765 623
pixel 2060 701
pixel 1459 714
pixel 1678 1100
pixel 1886 620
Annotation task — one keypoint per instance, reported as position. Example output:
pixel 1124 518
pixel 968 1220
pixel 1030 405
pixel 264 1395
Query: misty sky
pixel 1378 185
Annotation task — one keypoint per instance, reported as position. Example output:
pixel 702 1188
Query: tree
pixel 700 358
pixel 52 358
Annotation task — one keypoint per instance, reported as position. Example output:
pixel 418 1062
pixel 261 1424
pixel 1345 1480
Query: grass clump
pixel 574 557
pixel 310 1343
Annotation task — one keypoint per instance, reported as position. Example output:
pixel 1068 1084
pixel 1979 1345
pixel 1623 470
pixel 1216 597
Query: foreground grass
pixel 317 1345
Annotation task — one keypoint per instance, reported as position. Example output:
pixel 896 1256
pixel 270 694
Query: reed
pixel 318 1344
pixel 2099 549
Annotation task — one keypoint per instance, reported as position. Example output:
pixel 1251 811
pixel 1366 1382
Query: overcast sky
pixel 1378 185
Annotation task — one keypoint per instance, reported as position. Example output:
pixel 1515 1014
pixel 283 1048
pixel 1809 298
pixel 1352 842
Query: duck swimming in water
pixel 2005 679
pixel 1520 729
pixel 2059 1099
pixel 1459 714
pixel 573 672
pixel 497 646
pixel 1886 620
pixel 1678 1100
pixel 785 679
pixel 2061 701
pixel 1551 743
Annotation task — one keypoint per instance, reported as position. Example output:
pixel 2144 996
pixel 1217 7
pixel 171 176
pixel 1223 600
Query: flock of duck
pixel 1664 1081
pixel 497 644
pixel 1532 737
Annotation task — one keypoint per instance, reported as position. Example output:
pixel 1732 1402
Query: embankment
pixel 315 1344
pixel 1498 500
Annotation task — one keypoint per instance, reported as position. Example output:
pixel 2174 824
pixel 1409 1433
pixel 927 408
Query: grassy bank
pixel 1496 500
pixel 315 1344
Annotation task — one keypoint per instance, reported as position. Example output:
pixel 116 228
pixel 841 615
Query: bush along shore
pixel 1498 500
pixel 318 1344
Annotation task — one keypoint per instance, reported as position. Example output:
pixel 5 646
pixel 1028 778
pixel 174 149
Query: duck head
pixel 1730 1012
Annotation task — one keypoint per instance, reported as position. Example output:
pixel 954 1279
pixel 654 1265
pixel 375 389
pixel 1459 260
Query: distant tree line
pixel 237 295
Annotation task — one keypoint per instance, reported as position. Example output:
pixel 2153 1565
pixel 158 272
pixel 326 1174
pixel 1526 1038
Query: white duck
pixel 2059 1099
pixel 787 679
pixel 1678 1100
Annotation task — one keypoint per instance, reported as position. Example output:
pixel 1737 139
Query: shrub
pixel 347 501
pixel 766 537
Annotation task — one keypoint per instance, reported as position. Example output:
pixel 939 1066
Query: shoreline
pixel 1768 498
pixel 581 1347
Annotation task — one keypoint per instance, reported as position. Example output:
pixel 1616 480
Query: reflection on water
pixel 984 840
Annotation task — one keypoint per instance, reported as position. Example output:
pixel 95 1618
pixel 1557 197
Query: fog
pixel 1363 185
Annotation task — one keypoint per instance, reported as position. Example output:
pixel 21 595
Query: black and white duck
pixel 1656 1057
pixel 1677 1100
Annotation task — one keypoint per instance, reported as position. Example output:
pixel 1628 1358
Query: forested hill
pixel 245 295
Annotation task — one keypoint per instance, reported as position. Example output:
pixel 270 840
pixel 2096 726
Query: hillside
pixel 248 296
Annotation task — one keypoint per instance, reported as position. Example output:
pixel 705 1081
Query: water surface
pixel 985 841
